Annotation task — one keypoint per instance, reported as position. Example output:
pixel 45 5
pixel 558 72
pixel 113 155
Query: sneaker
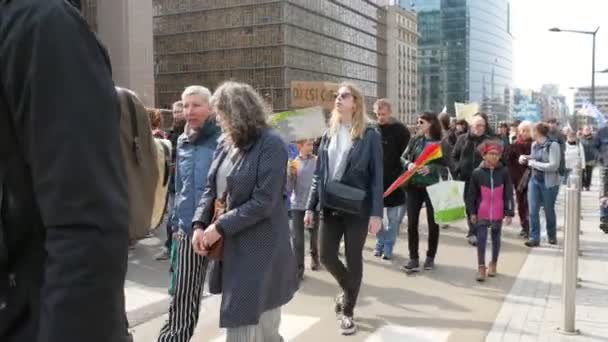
pixel 377 253
pixel 347 326
pixel 163 255
pixel 532 243
pixel 429 264
pixel 604 226
pixel 412 266
pixel 553 241
pixel 386 257
pixel 472 240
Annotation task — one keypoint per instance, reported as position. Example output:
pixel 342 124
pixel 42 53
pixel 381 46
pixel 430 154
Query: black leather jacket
pixel 364 171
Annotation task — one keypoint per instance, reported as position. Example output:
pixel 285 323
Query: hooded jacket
pixel 490 194
pixel 465 155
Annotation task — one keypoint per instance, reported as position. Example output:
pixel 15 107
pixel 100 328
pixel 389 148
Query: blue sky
pixel 542 57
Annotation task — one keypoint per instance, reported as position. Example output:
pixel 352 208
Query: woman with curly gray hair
pixel 258 269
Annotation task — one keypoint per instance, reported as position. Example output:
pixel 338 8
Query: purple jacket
pixel 490 194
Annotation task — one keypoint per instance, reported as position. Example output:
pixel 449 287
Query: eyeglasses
pixel 343 96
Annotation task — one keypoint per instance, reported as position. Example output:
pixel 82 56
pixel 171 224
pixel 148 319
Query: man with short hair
pixel 179 122
pixel 395 138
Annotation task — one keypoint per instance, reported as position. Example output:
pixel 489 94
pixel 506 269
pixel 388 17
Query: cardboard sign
pixel 309 94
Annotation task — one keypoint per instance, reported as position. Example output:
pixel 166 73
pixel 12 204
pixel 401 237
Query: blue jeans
pixel 482 237
pixel 387 236
pixel 603 192
pixel 539 195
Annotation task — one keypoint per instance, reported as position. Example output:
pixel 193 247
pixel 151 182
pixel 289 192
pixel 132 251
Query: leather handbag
pixel 216 251
pixel 523 182
pixel 343 198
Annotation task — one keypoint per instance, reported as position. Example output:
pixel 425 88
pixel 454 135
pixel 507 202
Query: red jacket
pixel 518 148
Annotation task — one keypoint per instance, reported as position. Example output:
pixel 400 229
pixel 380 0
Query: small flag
pixel 589 109
pixel 431 152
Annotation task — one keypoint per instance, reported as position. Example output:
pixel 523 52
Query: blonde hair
pixel 525 124
pixel 201 91
pixel 359 120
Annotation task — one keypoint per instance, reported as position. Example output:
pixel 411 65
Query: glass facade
pixel 268 44
pixel 465 52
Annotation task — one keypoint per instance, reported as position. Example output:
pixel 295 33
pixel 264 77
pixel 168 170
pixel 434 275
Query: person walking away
pixel 299 180
pixel 601 146
pixel 195 149
pixel 257 275
pixel 466 158
pixel 520 174
pixel 543 186
pixel 64 214
pixel 587 140
pixel 347 186
pixel 490 200
pixel 395 137
pixel 574 154
pixel 429 130
pixel 179 122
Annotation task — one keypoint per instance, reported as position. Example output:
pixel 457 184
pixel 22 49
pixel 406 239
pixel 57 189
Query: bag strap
pixel 136 146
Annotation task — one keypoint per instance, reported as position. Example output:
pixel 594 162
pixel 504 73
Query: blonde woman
pixel 348 186
pixel 522 146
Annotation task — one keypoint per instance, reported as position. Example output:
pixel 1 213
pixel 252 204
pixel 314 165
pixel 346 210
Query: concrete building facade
pixel 402 51
pixel 584 94
pixel 269 44
pixel 125 28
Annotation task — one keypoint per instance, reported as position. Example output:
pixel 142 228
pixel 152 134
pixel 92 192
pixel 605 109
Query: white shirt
pixel 338 149
pixel 574 155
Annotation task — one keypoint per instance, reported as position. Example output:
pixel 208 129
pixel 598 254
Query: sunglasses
pixel 343 96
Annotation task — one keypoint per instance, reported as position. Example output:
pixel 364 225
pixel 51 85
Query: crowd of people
pixel 239 204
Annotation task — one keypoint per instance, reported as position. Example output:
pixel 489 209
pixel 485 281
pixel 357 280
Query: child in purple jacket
pixel 490 200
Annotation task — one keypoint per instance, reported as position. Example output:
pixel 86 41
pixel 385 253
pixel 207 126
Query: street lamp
pixel 593 33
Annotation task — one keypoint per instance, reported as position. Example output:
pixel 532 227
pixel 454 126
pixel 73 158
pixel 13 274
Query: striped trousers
pixel 189 284
pixel 267 329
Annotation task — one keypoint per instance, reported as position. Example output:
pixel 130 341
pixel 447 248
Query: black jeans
pixel 472 227
pixel 297 238
pixel 415 197
pixel 353 228
pixel 482 238
pixel 587 175
pixel 168 228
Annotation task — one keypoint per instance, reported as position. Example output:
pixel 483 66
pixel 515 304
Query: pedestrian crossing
pixel 138 296
pixel 291 326
pixel 389 333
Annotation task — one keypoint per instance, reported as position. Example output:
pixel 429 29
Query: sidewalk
pixel 532 310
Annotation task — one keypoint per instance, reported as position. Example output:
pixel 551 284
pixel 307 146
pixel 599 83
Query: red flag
pixel 431 152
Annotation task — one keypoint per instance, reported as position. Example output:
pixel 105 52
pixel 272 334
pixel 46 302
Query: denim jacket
pixel 192 165
pixel 364 170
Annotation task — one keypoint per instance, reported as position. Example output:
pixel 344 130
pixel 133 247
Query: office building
pixel 464 53
pixel 584 94
pixel 125 29
pixel 402 77
pixel 269 44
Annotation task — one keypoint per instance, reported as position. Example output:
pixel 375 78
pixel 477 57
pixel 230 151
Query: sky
pixel 562 58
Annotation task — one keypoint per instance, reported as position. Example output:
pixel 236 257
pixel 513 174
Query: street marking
pixel 137 297
pixel 291 326
pixel 397 333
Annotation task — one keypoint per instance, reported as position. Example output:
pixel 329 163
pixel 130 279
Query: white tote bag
pixel 447 198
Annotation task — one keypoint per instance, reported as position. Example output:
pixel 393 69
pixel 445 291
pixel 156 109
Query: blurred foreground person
pixel 63 188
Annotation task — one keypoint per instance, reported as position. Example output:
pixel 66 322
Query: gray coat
pixel 549 163
pixel 259 269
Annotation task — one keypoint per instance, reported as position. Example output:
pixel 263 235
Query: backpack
pixel 147 164
pixel 561 170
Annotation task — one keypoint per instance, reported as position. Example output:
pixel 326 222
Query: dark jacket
pixel 60 134
pixel 590 149
pixel 490 194
pixel 465 155
pixel 518 148
pixel 601 145
pixel 439 167
pixel 395 137
pixel 259 269
pixel 364 171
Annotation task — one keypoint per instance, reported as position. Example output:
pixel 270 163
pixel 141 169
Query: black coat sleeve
pixel 508 195
pixel 64 105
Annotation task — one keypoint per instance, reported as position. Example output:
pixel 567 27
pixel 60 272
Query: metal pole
pixel 569 274
pixel 593 71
